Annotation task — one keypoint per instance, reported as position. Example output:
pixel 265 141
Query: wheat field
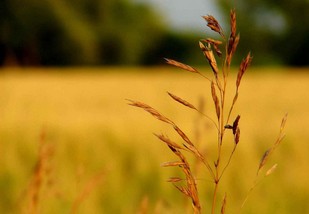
pixel 105 159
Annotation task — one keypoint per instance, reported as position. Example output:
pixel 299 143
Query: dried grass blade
pixel 181 101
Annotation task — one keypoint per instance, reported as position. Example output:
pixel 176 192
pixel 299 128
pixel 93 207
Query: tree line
pixel 119 32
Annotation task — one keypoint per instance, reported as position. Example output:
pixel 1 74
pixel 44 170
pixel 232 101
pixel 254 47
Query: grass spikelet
pixel 182 101
pixel 283 122
pixel 233 39
pixel 243 67
pixel 181 65
pixel 233 23
pixel 215 44
pixel 150 110
pixel 223 204
pixel 210 57
pixel 213 24
pixel 268 152
pixel 172 163
pixel 235 124
pixel 182 135
pixel 212 41
pixel 190 190
pixel 237 136
pixel 174 179
pixel 271 170
pixel 263 160
pixel 215 99
pixel 168 142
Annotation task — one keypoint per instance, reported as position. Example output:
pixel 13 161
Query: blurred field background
pixel 86 120
pixel 69 143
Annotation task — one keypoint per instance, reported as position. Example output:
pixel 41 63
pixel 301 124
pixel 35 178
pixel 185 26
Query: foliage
pixel 84 32
pixel 277 31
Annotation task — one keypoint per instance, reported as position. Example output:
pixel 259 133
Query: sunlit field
pixel 105 159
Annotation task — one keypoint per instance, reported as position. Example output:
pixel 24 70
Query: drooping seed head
pixel 213 24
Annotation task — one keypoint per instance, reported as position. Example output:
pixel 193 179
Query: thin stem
pixel 228 162
pixel 232 106
pixel 204 76
pixel 256 182
pixel 205 115
pixel 214 198
pixel 209 169
pixel 220 141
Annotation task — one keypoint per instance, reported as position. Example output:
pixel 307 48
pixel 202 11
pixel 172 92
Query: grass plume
pixel 214 50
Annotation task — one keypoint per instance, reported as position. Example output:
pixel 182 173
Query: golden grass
pixel 86 119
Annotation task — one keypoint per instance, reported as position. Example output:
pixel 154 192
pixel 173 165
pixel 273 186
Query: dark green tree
pixel 277 31
pixel 76 32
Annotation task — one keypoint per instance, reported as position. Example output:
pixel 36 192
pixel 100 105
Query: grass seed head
pixel 237 136
pixel 150 110
pixel 223 204
pixel 173 163
pixel 168 142
pixel 181 101
pixel 215 99
pixel 243 67
pixel 233 23
pixel 271 170
pixel 181 65
pixel 213 24
pixel 235 124
pixel 208 53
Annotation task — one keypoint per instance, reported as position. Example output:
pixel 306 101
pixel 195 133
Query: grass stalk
pixel 218 89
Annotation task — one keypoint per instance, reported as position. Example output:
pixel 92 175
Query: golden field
pixel 105 158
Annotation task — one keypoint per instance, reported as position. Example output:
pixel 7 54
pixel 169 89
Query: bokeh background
pixel 69 143
pixel 140 32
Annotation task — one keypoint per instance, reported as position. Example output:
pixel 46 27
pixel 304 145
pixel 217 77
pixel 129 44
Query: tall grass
pixel 222 120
